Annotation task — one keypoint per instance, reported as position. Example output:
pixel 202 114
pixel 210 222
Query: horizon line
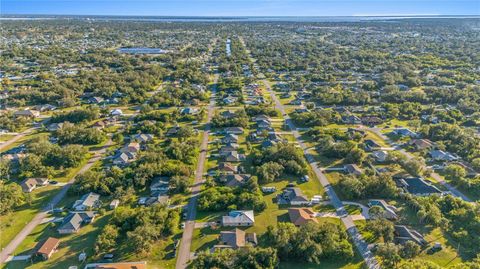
pixel 246 16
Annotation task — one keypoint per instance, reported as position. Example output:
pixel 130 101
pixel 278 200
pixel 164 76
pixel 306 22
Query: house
pixel 293 196
pixel 233 156
pixel 114 204
pixel 371 145
pixel 264 124
pixel 72 222
pixel 234 180
pixel 99 124
pixel 132 147
pixel 300 216
pixel 46 248
pixel 421 144
pixel 390 212
pixel 143 138
pixel 118 265
pixel 239 218
pixel 46 107
pixel 156 197
pixel 416 186
pixel 189 111
pixel 229 100
pixel 173 131
pixel 236 239
pixel 54 126
pixel 229 147
pixel 29 184
pixel 87 201
pixel 403 234
pixel 95 100
pixel 403 132
pixel 124 158
pixel 351 119
pixel 268 144
pixel 380 156
pixel 371 120
pixel 227 168
pixel 116 112
pixel 27 113
pixel 230 138
pixel 440 155
pixel 160 184
pixel 229 114
pixel 233 130
pixel 261 117
pixel 352 169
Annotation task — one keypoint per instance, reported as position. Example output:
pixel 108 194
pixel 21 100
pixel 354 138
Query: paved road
pixel 347 220
pixel 16 138
pixel 184 255
pixel 434 175
pixel 10 248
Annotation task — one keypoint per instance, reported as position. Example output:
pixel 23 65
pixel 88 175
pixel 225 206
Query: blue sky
pixel 242 7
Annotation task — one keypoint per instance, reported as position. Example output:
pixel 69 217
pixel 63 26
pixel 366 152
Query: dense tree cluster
pixel 282 158
pixel 311 242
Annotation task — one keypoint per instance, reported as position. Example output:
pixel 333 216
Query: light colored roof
pixel 239 216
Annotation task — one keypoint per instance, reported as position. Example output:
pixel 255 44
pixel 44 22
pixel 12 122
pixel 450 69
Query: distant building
pixel 352 169
pixel 27 113
pixel 293 196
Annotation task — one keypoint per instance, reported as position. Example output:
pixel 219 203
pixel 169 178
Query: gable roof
pixel 47 246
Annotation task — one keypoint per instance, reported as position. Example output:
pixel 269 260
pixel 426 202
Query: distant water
pixel 229 19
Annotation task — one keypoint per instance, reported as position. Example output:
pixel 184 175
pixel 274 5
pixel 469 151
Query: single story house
pixel 352 169
pixel 380 156
pixel 300 216
pixel 230 138
pixel 46 248
pixel 294 196
pixel 417 186
pixel 87 201
pixel 72 222
pixel 403 234
pixel 440 155
pixel 390 212
pixel 233 130
pixel 236 239
pixel 404 132
pixel 421 144
pixel 27 113
pixel 29 184
pixel 239 218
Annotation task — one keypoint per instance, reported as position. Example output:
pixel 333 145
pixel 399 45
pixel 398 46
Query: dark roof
pixel 417 185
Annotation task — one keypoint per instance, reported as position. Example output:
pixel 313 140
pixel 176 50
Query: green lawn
pixel 70 245
pixel 12 223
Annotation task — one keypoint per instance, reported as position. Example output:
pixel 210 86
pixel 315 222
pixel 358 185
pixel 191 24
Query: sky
pixel 242 7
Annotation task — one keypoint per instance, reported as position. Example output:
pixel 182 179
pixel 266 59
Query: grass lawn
pixel 12 223
pixel 70 245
